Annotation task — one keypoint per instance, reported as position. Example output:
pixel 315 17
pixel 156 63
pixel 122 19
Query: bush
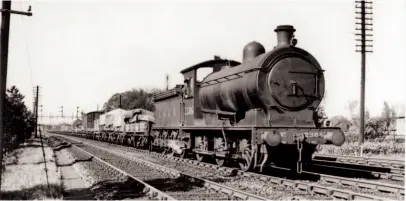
pixel 342 122
pixel 18 122
pixel 375 127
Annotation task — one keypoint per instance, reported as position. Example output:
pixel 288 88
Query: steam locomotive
pixel 259 112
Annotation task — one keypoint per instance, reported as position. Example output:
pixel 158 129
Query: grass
pixel 24 176
pixel 387 148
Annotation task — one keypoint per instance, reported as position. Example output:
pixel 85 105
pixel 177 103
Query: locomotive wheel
pixel 245 162
pixel 133 142
pixel 199 157
pixel 138 143
pixel 171 152
pixel 122 140
pixel 142 142
pixel 220 161
pixel 183 154
pixel 130 142
pixel 165 151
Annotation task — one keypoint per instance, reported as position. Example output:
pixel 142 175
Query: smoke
pixel 175 147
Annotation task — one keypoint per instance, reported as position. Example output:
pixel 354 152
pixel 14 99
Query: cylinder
pixel 284 35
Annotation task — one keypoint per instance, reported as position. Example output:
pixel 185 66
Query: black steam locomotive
pixel 258 112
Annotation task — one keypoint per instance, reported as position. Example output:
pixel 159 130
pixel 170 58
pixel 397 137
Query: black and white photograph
pixel 202 99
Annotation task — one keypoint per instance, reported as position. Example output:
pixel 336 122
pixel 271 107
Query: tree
pixel 352 108
pixel 18 122
pixel 375 128
pixel 367 115
pixel 342 122
pixel 388 114
pixel 355 121
pixel 132 99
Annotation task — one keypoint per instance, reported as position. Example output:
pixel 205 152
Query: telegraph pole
pixel 363 21
pixel 41 114
pixel 36 111
pixel 5 32
pixel 77 112
pixel 61 113
pixel 167 82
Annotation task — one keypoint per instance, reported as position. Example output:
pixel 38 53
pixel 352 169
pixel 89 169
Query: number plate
pixel 310 134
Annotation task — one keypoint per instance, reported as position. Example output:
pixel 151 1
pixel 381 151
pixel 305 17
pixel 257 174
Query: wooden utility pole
pixel 36 111
pixel 77 112
pixel 363 21
pixel 5 31
pixel 167 82
pixel 61 112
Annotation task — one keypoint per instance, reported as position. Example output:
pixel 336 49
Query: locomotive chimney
pixel 284 34
pixel 252 50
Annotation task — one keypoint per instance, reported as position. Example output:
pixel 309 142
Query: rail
pixel 362 160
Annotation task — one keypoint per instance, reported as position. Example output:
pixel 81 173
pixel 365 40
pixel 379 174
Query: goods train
pixel 258 112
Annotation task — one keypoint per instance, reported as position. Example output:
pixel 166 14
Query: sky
pixel 82 52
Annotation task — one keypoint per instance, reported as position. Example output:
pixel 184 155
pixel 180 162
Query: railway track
pixel 347 183
pixel 175 185
pixel 378 162
pixel 145 190
pixel 311 189
pixel 360 171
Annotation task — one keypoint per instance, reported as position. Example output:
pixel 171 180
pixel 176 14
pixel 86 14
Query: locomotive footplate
pixel 274 136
